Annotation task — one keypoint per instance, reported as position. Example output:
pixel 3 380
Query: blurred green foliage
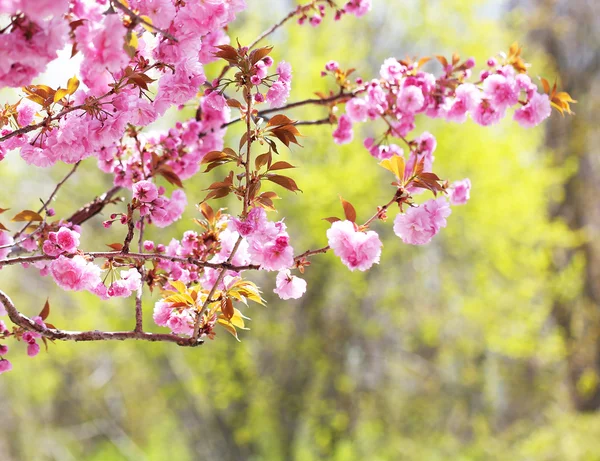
pixel 442 352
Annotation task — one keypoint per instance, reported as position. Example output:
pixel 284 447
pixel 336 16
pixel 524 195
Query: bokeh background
pixel 483 345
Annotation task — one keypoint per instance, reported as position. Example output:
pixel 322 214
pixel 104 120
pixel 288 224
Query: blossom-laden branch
pixel 201 277
pixel 28 324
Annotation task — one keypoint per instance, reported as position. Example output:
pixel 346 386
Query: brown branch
pixel 324 121
pixel 27 323
pixel 312 252
pixel 137 19
pixel 94 207
pixel 139 315
pixel 315 101
pixel 132 256
pixel 130 229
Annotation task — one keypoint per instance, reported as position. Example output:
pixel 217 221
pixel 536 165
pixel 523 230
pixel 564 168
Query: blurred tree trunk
pixel 569 31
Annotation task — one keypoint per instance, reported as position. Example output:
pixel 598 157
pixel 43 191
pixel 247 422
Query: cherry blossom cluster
pixel 140 58
pixel 315 12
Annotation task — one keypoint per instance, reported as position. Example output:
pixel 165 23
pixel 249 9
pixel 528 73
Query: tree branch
pixel 94 335
pixel 94 207
pixel 133 256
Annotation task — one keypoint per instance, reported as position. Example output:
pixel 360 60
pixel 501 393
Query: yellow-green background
pixel 445 352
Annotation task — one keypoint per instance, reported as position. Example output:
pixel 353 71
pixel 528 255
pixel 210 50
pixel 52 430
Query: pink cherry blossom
pixel 358 7
pixel 534 112
pixel 410 100
pixel 75 273
pixel 289 286
pixel 419 224
pixel 460 192
pixel 5 366
pixel 343 134
pixel 502 91
pixel 145 191
pixel 357 250
pixel 278 94
pixel 172 209
pixel 5 239
pixel 357 109
pixel 391 70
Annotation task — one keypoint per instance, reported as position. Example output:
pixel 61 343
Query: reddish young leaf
pixel 45 311
pixel 283 181
pixel 349 210
pixel 280 166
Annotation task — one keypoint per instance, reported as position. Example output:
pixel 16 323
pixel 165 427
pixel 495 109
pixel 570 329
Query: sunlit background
pixel 483 345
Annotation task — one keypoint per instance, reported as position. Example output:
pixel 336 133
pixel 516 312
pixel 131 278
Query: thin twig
pixel 137 19
pixel 324 121
pixel 47 202
pixel 274 27
pixel 315 101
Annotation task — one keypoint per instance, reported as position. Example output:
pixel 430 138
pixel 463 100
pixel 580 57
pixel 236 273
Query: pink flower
pixel 160 11
pixel 357 109
pixel 460 192
pixel 410 100
pixel 358 7
pixel 274 255
pixel 25 113
pixel 75 273
pixel 37 156
pixel 382 152
pixel 391 70
pixel 357 250
pixel 5 366
pixel 418 225
pixel 502 91
pixel 67 240
pixel 414 226
pixel 343 134
pixel 332 66
pixel 534 112
pixel 145 191
pixel 486 114
pixel 172 210
pixel 467 98
pixel 162 312
pixel 289 286
pixel 215 111
pixel 278 94
pixel 131 280
pixel 254 222
pixel 284 69
pixel 33 349
pixel 438 210
pixel 5 239
pixel 63 241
